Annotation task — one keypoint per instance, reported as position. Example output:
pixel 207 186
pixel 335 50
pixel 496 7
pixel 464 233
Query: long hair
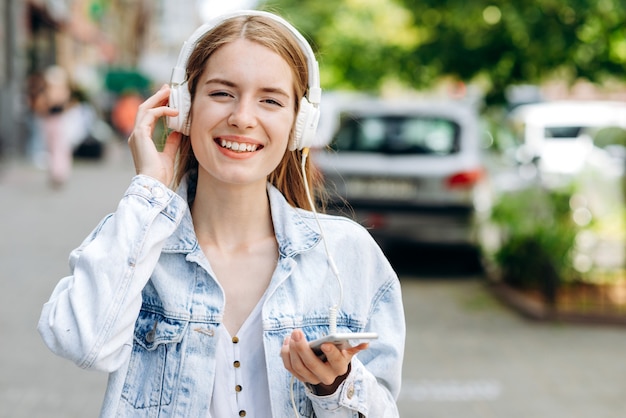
pixel 287 176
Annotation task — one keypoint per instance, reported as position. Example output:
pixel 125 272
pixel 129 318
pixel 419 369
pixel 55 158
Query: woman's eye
pixel 219 94
pixel 273 102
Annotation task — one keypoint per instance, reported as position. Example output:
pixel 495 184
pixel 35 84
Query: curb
pixel 537 310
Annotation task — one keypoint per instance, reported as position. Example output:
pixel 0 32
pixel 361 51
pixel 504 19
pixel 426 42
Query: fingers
pixel 354 350
pixel 147 114
pixel 158 101
pixel 301 361
pixel 153 108
pixel 148 160
pixel 339 360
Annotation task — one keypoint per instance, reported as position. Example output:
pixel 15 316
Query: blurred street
pixel 466 355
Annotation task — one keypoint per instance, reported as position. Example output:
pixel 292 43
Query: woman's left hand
pixel 300 360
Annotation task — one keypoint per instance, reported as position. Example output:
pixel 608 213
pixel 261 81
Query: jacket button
pixel 235 340
pixel 151 335
pixel 236 363
pixel 242 413
pixel 238 388
pixel 350 392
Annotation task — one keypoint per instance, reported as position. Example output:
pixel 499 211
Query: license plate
pixel 380 188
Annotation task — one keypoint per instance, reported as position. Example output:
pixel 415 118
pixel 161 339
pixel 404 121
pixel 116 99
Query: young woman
pixel 201 302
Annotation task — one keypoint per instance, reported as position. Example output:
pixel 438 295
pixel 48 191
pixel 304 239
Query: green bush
pixel 537 238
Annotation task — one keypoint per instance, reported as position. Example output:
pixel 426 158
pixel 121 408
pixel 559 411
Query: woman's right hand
pixel 148 160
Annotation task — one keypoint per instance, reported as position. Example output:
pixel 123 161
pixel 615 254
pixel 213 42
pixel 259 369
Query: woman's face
pixel 242 113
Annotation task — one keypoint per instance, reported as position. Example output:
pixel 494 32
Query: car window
pixel 562 131
pixel 397 135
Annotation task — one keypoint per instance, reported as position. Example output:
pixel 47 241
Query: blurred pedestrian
pixel 38 110
pixel 202 302
pixel 55 125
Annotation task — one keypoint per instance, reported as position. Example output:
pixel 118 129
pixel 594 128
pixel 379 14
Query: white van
pixel 570 140
pixel 560 133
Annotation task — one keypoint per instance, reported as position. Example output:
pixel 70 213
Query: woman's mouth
pixel 237 146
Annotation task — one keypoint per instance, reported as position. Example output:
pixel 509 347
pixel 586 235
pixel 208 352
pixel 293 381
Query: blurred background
pixel 483 143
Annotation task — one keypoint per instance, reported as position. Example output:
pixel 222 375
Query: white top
pixel 241 387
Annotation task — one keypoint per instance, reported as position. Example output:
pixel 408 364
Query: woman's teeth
pixel 236 146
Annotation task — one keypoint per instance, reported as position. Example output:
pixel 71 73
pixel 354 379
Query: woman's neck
pixel 226 215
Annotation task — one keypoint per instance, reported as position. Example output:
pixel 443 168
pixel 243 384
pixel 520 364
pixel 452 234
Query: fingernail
pixel 297 335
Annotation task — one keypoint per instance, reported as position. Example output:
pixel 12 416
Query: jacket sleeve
pixel 90 316
pixel 373 385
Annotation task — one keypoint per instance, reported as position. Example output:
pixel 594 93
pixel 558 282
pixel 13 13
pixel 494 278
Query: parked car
pixel 408 170
pixel 560 134
pixel 579 149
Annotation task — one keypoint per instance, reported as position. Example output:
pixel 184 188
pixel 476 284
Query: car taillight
pixel 375 221
pixel 465 179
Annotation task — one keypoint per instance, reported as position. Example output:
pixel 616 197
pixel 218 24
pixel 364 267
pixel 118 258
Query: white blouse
pixel 241 387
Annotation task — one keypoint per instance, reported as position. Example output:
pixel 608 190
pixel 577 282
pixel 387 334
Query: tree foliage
pixel 366 43
pixel 360 43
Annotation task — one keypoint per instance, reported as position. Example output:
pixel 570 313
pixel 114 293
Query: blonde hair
pixel 287 176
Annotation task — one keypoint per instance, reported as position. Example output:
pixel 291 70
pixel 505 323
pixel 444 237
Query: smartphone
pixel 341 340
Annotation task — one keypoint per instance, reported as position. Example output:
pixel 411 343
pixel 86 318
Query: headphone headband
pixel 180 70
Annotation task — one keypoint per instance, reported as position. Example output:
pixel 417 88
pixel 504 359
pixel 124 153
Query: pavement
pixel 466 355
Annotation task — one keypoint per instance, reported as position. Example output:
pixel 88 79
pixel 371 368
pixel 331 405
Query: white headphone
pixel 308 113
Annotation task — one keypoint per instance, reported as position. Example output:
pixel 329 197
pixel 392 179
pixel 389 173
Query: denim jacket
pixel 143 304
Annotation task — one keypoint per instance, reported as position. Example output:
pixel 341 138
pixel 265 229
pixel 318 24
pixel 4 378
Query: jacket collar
pixel 292 226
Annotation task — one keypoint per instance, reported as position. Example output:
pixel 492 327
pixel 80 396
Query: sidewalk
pixel 468 356
pixel 39 227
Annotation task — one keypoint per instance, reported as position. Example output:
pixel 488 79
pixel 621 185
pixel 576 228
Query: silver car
pixel 408 170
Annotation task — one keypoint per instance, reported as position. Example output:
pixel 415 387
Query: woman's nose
pixel 243 115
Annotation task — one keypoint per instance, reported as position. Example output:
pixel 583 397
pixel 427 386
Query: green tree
pixel 366 43
pixel 521 41
pixel 361 44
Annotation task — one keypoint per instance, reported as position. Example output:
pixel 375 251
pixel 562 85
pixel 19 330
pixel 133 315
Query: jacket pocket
pixel 155 360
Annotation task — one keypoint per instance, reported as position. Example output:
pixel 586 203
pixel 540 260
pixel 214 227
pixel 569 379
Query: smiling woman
pixel 201 300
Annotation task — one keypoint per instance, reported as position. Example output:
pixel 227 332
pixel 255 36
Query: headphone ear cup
pixel 306 126
pixel 180 100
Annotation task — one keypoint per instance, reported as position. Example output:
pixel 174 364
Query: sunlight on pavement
pixel 450 390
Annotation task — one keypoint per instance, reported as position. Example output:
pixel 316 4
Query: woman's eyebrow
pixel 275 90
pixel 220 81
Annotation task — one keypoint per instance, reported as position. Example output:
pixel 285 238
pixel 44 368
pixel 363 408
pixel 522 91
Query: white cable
pixel 332 315
pixel 331 262
pixel 292 397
